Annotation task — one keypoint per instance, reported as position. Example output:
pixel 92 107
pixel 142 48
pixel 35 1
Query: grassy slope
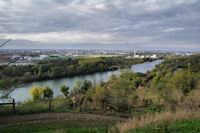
pixel 161 122
pixel 179 126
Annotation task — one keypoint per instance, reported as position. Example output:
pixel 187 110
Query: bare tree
pixel 5 42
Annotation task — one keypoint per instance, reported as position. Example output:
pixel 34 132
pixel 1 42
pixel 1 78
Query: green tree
pixel 182 79
pixel 47 92
pixel 85 86
pixel 65 90
pixel 103 96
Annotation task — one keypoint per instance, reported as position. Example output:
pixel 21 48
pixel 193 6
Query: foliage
pixel 47 92
pixel 58 68
pixel 65 90
pixel 36 93
pixel 172 85
pixel 192 100
pixel 85 86
pixel 183 67
pixel 182 79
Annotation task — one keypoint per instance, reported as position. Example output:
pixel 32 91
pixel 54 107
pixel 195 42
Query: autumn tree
pixel 36 93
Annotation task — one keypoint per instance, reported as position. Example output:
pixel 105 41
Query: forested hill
pixel 173 90
pixel 176 68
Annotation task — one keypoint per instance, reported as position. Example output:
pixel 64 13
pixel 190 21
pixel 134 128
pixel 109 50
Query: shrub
pixel 65 90
pixel 192 100
pixel 36 93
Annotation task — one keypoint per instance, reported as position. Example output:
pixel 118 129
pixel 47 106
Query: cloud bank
pixel 136 23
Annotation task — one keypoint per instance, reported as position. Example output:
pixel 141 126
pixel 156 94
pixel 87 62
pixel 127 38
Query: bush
pixel 192 100
pixel 36 93
pixel 65 90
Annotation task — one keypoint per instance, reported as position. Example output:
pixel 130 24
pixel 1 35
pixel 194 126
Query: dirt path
pixel 53 117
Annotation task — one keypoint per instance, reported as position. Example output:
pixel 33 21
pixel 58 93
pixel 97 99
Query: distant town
pixel 29 56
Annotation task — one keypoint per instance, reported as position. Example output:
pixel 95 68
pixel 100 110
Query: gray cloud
pixel 137 23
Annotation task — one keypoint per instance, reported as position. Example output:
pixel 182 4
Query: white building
pixel 136 56
pixel 154 56
pixel 44 56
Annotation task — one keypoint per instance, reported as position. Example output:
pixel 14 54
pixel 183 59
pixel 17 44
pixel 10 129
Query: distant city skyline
pixel 101 24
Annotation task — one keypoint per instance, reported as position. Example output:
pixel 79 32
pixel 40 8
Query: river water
pixel 21 94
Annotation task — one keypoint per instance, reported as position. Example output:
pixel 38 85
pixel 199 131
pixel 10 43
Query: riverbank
pixel 71 81
pixel 60 68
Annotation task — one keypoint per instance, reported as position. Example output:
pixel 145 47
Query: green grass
pixel 58 105
pixel 64 126
pixel 179 126
pixel 35 129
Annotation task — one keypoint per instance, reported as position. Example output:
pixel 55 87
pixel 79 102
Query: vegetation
pixel 36 93
pixel 58 68
pixel 168 94
pixel 179 121
pixel 60 126
pixel 179 126
pixel 47 93
pixel 65 90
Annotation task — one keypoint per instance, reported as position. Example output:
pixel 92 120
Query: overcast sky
pixel 102 24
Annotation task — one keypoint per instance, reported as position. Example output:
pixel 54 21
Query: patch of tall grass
pixel 35 107
pixel 141 121
pixel 179 126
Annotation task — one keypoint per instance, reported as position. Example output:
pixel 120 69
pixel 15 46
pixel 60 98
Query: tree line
pixel 58 68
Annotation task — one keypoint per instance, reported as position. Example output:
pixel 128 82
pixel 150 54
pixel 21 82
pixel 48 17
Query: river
pixel 21 94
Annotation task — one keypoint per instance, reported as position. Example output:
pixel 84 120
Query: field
pixel 96 56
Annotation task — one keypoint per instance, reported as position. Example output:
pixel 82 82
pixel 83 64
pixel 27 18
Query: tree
pixel 65 90
pixel 182 79
pixel 85 86
pixel 36 93
pixel 78 93
pixel 47 92
pixel 57 71
pixel 103 95
pixel 78 85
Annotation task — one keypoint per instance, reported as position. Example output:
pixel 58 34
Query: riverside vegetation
pixel 166 99
pixel 58 68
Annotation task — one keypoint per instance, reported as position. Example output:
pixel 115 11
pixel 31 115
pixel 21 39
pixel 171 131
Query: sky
pixel 100 24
